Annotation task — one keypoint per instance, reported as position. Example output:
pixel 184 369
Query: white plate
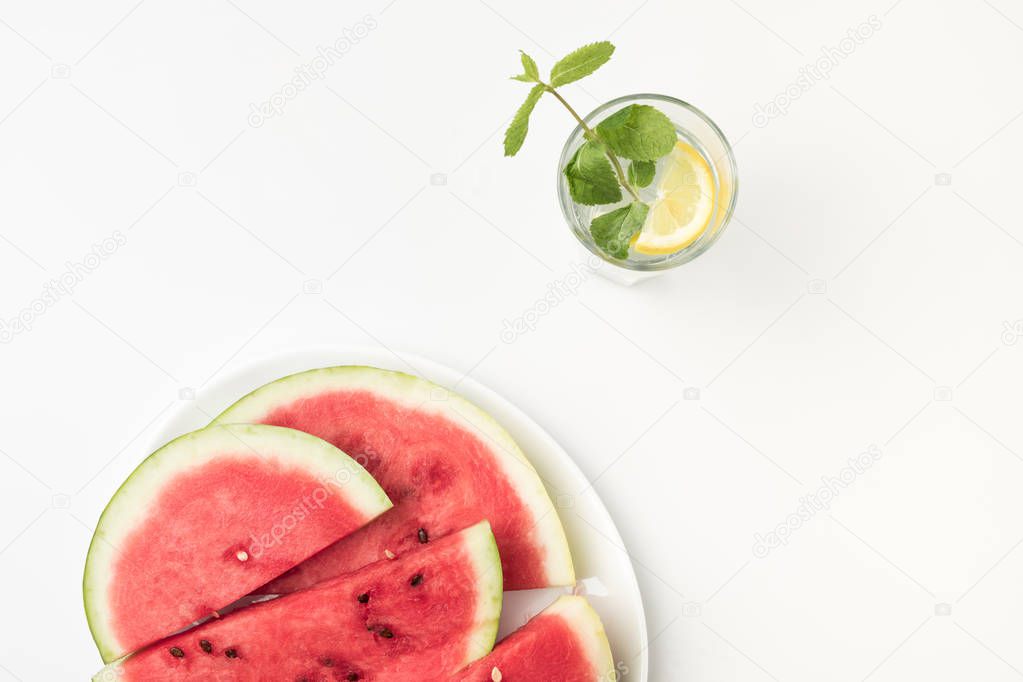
pixel 605 572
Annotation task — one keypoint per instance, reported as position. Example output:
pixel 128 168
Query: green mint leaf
pixel 591 180
pixel 529 68
pixel 638 132
pixel 641 173
pixel 530 73
pixel 516 133
pixel 613 231
pixel 580 63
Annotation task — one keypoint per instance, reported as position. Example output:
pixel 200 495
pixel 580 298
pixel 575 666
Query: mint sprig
pixel 638 132
pixel 591 180
pixel 613 231
pixel 581 63
pixel 530 72
pixel 516 133
pixel 595 176
pixel 641 173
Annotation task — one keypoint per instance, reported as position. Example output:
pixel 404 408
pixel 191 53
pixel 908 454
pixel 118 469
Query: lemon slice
pixel 683 207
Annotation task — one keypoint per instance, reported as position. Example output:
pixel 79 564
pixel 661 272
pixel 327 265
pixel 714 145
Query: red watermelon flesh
pixel 423 616
pixel 564 643
pixel 208 518
pixel 443 462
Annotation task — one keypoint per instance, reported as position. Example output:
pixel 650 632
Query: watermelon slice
pixel 564 643
pixel 209 517
pixel 445 463
pixel 424 616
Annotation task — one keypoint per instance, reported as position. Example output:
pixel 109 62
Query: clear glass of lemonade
pixel 695 185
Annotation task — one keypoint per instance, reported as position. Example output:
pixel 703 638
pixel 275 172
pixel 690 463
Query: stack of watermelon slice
pixel 346 523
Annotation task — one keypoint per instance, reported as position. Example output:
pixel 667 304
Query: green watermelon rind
pixel 481 546
pixel 589 630
pixel 125 510
pixel 490 590
pixel 417 393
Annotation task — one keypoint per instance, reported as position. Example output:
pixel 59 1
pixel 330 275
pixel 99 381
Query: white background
pixel 855 301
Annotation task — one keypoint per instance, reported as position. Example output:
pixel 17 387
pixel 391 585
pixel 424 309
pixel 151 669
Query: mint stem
pixel 593 135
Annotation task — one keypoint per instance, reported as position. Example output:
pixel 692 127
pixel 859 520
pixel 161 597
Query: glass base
pixel 614 273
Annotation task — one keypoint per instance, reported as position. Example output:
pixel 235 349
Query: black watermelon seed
pixel 352 677
pixel 176 652
pixel 231 653
pixel 205 645
pixel 385 633
pixel 423 537
pixel 363 598
pixel 417 580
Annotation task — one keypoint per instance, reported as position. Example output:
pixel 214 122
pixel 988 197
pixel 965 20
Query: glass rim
pixel 687 254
